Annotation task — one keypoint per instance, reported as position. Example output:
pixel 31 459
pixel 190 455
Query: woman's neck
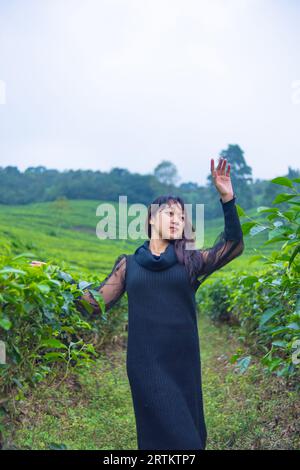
pixel 158 246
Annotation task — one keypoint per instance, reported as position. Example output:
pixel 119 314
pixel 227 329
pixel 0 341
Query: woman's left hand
pixel 221 178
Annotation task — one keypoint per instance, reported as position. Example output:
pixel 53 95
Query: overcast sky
pixel 94 84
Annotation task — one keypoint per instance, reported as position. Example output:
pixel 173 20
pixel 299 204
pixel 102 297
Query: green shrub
pixel 40 324
pixel 266 304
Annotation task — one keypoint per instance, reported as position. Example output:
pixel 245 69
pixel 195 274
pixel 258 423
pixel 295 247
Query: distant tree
pixel 293 173
pixel 36 169
pixel 12 170
pixel 189 186
pixel 116 171
pixel 271 190
pixel 166 173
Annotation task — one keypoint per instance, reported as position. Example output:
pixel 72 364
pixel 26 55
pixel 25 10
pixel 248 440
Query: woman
pixel 163 354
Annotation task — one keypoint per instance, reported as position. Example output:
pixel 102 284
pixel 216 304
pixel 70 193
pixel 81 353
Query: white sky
pixel 95 84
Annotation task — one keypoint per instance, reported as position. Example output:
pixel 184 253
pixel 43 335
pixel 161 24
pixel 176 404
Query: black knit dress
pixel 163 352
pixel 163 359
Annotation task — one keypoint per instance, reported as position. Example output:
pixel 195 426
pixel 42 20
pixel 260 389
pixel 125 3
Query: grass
pixel 250 410
pixel 64 233
pixel 92 409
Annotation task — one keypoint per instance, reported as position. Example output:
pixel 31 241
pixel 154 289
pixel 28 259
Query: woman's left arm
pixel 230 243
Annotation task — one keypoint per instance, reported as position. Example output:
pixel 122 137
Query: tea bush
pixel 41 325
pixel 266 304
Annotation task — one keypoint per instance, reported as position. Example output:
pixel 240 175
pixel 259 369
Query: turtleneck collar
pixel 146 258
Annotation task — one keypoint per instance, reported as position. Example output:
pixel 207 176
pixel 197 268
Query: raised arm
pixel 111 288
pixel 229 243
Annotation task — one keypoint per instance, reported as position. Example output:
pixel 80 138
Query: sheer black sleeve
pixel 228 245
pixel 111 288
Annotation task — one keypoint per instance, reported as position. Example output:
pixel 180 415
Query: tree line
pixel 40 184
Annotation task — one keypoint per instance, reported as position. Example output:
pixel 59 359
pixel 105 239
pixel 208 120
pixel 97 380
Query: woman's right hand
pixel 36 263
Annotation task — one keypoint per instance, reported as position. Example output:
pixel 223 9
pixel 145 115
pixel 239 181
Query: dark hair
pixel 191 258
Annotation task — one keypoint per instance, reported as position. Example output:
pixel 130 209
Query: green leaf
pixel 55 282
pixel 275 363
pixel 283 371
pixel 12 270
pixel 17 382
pixel 290 215
pixel 44 288
pixel 293 326
pixel 268 314
pixel 88 307
pixel 53 356
pixel 84 284
pixel 249 280
pixel 255 258
pixel 294 254
pixel 297 309
pixel 68 329
pixel 275 239
pixel 48 313
pixel 280 344
pixel 283 181
pixel 278 330
pixel 277 232
pixel 24 255
pixel 283 197
pixel 267 209
pixel 246 226
pixel 257 229
pixel 234 358
pixel 240 211
pixel 52 343
pixel 16 354
pixel 99 299
pixel 65 276
pixel 5 323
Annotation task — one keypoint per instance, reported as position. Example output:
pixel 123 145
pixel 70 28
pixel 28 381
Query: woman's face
pixel 168 222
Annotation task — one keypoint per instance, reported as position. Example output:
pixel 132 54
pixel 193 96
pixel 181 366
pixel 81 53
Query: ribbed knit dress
pixel 163 350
